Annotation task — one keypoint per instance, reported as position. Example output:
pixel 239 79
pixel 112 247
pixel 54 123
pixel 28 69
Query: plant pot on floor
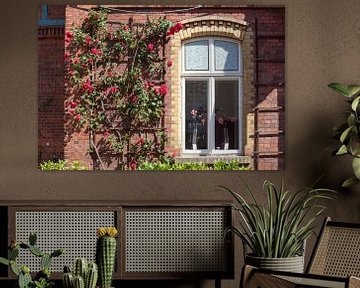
pixel 290 264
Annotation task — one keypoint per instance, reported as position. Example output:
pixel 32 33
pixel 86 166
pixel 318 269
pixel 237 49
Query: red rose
pixel 95 51
pixel 77 117
pixel 88 40
pixel 126 28
pixel 69 35
pixel 141 141
pixel 150 47
pixel 67 55
pixel 133 98
pixel 106 134
pixel 87 87
pixel 133 165
pixel 163 90
pixel 90 60
pixel 175 28
pixel 73 104
pixel 169 63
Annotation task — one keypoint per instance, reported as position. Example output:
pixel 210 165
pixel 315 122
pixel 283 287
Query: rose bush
pixel 116 88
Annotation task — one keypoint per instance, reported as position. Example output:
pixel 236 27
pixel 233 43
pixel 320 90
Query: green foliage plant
pixel 173 165
pixel 61 165
pixel 42 278
pixel 116 88
pixel 348 132
pixel 278 229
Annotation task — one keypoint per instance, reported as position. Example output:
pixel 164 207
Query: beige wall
pixel 322 46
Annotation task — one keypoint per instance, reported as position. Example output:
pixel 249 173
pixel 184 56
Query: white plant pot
pixel 291 264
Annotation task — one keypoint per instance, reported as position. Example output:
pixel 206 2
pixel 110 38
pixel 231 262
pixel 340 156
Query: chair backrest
pixel 337 251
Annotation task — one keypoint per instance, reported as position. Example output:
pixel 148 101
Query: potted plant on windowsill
pixel 276 233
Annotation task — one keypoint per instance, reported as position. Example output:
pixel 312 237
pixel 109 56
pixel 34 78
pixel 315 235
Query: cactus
pixel 91 276
pixel 24 278
pixel 79 282
pixel 105 255
pixel 23 273
pixel 80 267
pixel 68 280
pixel 32 239
pixel 45 261
pixel 88 273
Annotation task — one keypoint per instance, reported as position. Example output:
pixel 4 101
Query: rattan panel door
pixel 174 241
pixel 74 231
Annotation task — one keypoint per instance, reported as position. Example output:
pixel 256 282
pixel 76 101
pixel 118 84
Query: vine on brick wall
pixel 116 88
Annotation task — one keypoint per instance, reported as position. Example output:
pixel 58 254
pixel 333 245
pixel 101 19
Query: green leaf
pixel 345 134
pixel 4 261
pixel 353 89
pixel 342 150
pixel 349 182
pixel 341 89
pixel 355 103
pixel 356 167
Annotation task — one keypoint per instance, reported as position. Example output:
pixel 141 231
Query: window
pixel 212 85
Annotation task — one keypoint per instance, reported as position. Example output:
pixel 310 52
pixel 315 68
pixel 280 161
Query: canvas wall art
pixel 161 87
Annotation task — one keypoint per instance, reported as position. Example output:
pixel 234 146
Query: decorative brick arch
pixel 211 26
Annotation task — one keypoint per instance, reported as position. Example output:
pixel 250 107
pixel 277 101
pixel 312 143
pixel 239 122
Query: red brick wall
pixel 51 87
pixel 268 25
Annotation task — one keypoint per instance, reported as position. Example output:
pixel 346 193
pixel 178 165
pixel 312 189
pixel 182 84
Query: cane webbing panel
pixel 338 252
pixel 175 241
pixel 74 231
pixel 313 282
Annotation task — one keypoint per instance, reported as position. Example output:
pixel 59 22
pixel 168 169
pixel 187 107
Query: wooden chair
pixel 334 263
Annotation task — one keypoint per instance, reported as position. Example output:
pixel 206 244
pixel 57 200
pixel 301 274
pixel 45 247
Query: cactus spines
pixel 32 239
pixel 91 276
pixel 79 282
pixel 68 280
pixel 24 279
pixel 105 254
pixel 81 266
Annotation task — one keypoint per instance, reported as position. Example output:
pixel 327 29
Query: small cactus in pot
pixel 106 254
pixel 85 275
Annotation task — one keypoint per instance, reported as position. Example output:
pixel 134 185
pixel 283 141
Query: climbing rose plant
pixel 116 88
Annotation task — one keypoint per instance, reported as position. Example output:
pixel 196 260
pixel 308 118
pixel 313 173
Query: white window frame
pixel 211 76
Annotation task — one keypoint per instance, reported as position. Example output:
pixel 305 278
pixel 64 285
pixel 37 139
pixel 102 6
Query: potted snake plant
pixel 274 234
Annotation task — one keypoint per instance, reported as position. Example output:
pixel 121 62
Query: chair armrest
pixel 254 277
pixel 354 282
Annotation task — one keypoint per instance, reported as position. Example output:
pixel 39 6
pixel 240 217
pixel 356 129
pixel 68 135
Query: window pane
pixel 197 56
pixel 226 114
pixel 226 56
pixel 195 114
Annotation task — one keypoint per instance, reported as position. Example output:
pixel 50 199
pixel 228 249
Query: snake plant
pixel 279 228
